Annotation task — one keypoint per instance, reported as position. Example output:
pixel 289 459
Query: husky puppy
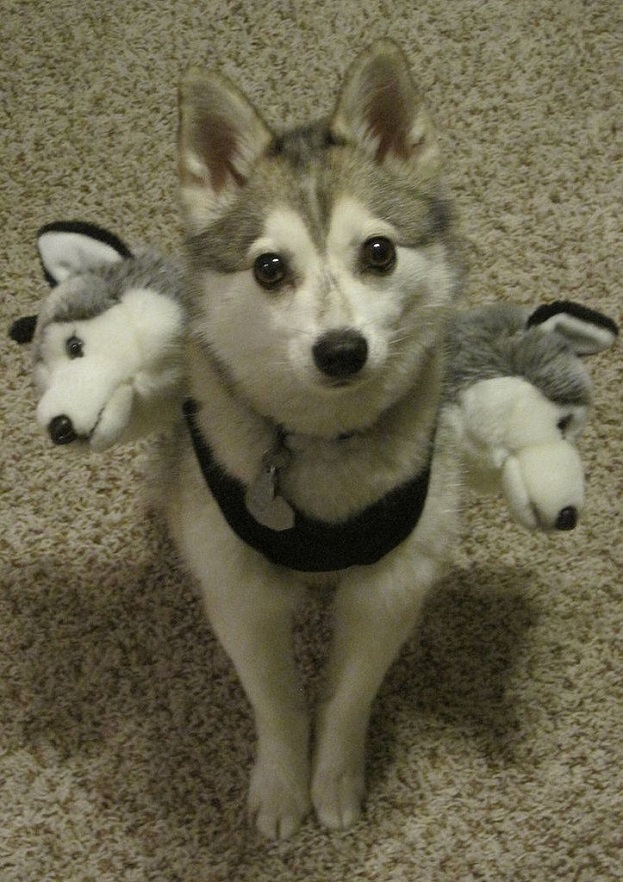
pixel 323 272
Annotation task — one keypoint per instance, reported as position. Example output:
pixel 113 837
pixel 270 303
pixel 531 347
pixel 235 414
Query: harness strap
pixel 312 545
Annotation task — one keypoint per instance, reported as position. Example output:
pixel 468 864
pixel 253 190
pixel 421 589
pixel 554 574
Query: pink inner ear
pixel 387 120
pixel 219 143
pixel 387 115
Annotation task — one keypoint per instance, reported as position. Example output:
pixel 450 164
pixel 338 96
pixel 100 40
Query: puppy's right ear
pixel 220 138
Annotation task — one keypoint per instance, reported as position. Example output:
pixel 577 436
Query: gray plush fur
pixel 492 341
pixel 91 293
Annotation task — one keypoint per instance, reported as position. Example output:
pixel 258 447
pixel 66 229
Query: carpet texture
pixel 125 741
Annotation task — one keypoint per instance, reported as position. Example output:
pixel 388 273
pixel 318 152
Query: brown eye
pixel 378 254
pixel 269 270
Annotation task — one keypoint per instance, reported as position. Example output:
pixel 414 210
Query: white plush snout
pixel 78 393
pixel 126 382
pixel 512 441
pixel 544 485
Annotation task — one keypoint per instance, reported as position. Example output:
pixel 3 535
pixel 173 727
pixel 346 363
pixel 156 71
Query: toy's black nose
pixel 340 354
pixel 567 518
pixel 61 430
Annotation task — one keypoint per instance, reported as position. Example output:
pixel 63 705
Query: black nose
pixel 567 518
pixel 61 430
pixel 340 354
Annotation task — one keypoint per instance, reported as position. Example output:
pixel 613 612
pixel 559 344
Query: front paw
pixel 337 796
pixel 279 802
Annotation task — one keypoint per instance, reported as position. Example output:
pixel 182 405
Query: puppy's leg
pixel 375 611
pixel 251 612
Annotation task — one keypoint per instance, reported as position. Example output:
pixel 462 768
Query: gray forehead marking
pixel 307 169
pixel 419 212
pixel 303 145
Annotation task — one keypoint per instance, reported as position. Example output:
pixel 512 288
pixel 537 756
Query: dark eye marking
pixel 270 270
pixel 378 254
pixel 565 422
pixel 74 347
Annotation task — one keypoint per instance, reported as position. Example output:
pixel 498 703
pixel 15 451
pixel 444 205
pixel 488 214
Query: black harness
pixel 311 545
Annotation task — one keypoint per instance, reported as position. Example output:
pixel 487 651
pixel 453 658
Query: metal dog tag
pixel 265 505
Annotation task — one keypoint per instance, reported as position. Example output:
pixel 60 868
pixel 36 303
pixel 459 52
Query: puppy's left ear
pixel 380 109
pixel 587 331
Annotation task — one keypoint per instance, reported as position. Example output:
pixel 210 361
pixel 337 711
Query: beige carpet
pixel 125 744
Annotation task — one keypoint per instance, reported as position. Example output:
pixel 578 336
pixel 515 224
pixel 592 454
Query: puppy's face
pixel 323 266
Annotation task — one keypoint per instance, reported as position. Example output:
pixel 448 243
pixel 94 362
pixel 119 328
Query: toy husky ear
pixel 67 248
pixel 380 108
pixel 23 329
pixel 220 138
pixel 585 330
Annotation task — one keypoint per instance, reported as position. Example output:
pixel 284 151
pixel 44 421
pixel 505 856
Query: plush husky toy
pixel 108 366
pixel 107 356
pixel 518 395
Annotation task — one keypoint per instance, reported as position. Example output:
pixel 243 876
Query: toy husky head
pixel 322 258
pixel 519 396
pixel 106 339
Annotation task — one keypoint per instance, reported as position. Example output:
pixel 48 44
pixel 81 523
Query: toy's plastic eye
pixel 270 270
pixel 378 254
pixel 74 347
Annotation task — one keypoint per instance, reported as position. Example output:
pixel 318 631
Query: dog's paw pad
pixel 337 799
pixel 277 805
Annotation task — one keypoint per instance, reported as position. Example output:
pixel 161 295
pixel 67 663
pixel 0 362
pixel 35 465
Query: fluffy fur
pixel 518 394
pixel 496 341
pixel 268 362
pixel 106 342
